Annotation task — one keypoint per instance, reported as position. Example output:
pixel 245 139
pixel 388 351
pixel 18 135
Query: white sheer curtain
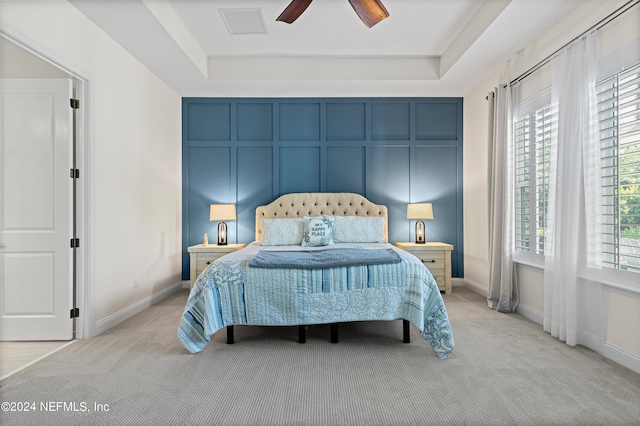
pixel 573 304
pixel 503 291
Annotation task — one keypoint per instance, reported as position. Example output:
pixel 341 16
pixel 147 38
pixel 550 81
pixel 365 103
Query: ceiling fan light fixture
pixel 293 11
pixel 370 12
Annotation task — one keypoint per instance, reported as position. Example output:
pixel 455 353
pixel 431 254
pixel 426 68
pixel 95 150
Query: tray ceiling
pixel 236 47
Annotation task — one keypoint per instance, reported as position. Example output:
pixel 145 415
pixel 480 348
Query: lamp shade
pixel 222 212
pixel 419 211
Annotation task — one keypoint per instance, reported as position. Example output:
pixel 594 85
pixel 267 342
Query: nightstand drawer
pixel 431 259
pixel 436 257
pixel 437 269
pixel 205 259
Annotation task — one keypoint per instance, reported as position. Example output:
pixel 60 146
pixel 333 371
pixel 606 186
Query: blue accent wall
pixel 391 150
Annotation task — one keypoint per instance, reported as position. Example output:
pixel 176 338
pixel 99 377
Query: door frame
pixel 85 324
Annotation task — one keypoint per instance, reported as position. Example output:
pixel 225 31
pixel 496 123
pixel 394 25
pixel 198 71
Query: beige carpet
pixel 504 371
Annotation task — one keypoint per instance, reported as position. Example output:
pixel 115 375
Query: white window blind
pixel 521 167
pixel 546 120
pixel 532 140
pixel 619 121
pixel 619 116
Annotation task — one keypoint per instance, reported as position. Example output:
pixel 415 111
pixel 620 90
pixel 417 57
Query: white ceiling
pixel 424 48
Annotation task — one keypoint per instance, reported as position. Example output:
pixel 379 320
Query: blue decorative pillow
pixel 318 231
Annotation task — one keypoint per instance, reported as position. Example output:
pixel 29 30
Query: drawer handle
pixel 208 262
pixel 432 261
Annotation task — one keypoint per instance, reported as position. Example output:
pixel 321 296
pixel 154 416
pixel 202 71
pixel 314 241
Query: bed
pixel 318 258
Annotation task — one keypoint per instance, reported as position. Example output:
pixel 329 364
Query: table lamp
pixel 222 212
pixel 419 211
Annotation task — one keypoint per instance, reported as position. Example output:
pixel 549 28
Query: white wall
pixel 133 152
pixel 476 183
pixel 622 307
pixel 15 62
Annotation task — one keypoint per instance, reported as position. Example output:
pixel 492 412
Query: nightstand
pixel 201 256
pixel 436 257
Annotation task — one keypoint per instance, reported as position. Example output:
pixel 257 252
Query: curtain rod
pixel 595 27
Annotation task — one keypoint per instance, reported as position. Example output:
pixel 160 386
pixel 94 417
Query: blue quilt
pixel 322 259
pixel 230 292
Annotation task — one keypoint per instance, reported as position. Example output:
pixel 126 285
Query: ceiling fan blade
pixel 370 11
pixel 293 11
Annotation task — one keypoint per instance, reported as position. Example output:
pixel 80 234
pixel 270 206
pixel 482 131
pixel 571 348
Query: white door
pixel 35 209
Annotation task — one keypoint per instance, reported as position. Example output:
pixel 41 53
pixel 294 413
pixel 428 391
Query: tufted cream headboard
pixel 318 204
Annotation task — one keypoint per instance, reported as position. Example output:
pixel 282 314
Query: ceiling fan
pixel 370 11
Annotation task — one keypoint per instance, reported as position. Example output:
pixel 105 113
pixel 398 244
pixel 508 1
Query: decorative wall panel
pixel 346 121
pixel 437 121
pixel 255 187
pixel 255 122
pixel 209 180
pixel 391 150
pixel 299 121
pixel 299 169
pixel 388 182
pixel 347 169
pixel 206 121
pixel 390 121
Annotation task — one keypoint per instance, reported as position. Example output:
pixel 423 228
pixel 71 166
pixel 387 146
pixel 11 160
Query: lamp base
pixel 222 234
pixel 420 232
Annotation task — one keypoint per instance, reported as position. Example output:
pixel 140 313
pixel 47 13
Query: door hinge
pixel 75 242
pixel 74 173
pixel 75 312
pixel 75 103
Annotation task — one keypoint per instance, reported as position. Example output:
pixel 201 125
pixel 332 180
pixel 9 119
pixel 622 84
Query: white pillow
pixel 318 231
pixel 358 229
pixel 281 232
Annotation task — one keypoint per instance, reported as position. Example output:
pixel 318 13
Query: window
pixel 546 120
pixel 533 128
pixel 619 122
pixel 521 167
pixel 619 116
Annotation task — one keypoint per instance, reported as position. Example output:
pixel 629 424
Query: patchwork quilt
pixel 230 292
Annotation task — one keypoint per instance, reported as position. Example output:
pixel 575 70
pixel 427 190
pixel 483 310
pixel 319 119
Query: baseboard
pixel 457 282
pixel 612 352
pixel 530 313
pixel 622 357
pixel 126 313
pixel 527 312
pixel 475 287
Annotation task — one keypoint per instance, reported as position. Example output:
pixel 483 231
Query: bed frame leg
pixel 334 333
pixel 229 335
pixel 406 337
pixel 302 336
